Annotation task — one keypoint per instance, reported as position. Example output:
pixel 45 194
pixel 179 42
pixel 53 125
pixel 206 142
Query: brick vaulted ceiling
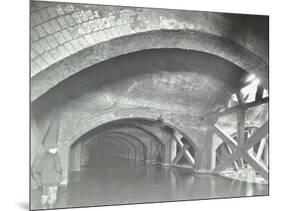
pixel 67 38
pixel 170 80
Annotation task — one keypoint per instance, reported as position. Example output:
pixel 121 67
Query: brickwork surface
pixel 61 32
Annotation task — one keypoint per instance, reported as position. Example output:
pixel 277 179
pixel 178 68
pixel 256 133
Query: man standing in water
pixel 48 173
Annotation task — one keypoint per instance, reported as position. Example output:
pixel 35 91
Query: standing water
pixel 109 181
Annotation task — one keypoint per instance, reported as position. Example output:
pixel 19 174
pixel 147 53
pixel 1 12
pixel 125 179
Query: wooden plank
pixel 184 150
pixel 225 137
pixel 188 156
pixel 256 137
pixel 228 161
pixel 243 106
pixel 266 153
pixel 178 137
pixel 241 127
pixel 261 148
pixel 259 92
pixel 257 165
pixel 179 143
pixel 239 97
pixel 241 132
pixel 251 132
pixel 234 163
pixel 242 151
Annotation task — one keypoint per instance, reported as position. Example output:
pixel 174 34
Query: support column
pixel 240 126
pixel 140 152
pixel 251 150
pixel 205 159
pixel 85 154
pixel 241 133
pixel 77 157
pixel 173 150
pixel 150 151
pixel 170 151
pixel 63 152
pixel 266 152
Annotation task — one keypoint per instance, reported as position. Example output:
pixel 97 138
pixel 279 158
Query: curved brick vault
pixel 93 65
pixel 136 148
pixel 169 83
pixel 67 38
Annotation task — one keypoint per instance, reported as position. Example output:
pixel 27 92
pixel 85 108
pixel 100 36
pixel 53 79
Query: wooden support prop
pixel 236 167
pixel 183 150
pixel 225 137
pixel 251 131
pixel 256 137
pixel 243 106
pixel 178 157
pixel 230 142
pixel 266 153
pixel 261 149
pixel 242 151
pixel 259 92
pixel 188 156
pixel 241 129
pixel 239 97
pixel 259 166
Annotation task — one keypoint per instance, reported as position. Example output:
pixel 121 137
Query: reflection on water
pixel 120 181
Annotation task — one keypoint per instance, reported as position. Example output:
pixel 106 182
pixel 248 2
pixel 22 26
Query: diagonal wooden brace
pixel 183 151
pixel 242 151
pixel 243 106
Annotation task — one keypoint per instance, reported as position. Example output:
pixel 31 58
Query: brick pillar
pixel 205 158
pixel 173 148
pixel 170 150
pixel 63 152
pixel 77 157
pixel 85 155
pixel 140 152
pixel 150 151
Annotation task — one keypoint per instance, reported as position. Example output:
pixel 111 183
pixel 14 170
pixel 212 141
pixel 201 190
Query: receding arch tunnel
pixel 153 145
pixel 149 111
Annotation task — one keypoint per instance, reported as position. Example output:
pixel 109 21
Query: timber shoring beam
pixel 240 125
pixel 243 106
pixel 242 151
pixel 183 152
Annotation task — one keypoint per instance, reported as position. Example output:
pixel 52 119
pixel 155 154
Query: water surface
pixel 122 181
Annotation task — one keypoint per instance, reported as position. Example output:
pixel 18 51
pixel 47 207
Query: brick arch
pixel 129 138
pixel 132 138
pixel 138 127
pixel 71 133
pixel 118 134
pixel 131 148
pixel 190 40
pixel 67 38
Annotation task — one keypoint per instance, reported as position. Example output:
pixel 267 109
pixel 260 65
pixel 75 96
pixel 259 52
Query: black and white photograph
pixel 133 105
